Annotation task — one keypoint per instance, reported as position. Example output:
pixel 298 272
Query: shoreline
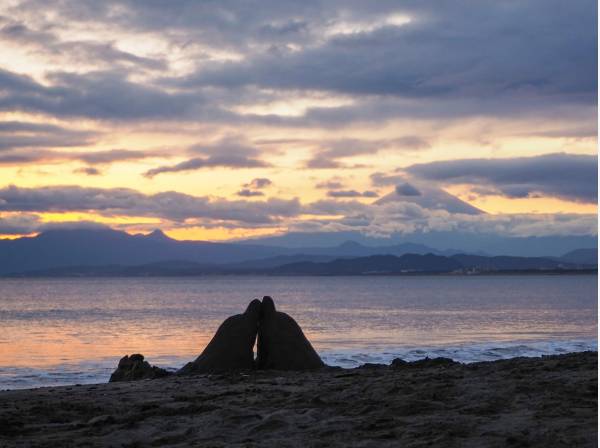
pixel 508 273
pixel 98 370
pixel 520 401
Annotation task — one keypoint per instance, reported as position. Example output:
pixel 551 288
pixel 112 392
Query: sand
pixel 525 402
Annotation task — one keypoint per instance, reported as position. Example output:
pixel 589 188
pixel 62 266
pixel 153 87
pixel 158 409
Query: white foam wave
pixel 92 372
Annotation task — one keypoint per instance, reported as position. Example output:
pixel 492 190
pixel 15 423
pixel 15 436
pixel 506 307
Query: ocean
pixel 74 331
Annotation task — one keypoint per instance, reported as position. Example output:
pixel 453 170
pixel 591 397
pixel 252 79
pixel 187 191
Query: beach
pixel 521 402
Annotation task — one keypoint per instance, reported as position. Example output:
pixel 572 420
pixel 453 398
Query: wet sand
pixel 524 402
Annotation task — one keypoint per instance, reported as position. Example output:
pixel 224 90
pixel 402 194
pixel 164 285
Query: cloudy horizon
pixel 235 120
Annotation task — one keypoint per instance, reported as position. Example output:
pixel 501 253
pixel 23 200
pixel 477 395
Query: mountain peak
pixel 158 235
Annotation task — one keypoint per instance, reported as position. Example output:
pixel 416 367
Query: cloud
pixel 410 218
pixel 88 171
pixel 331 184
pixel 351 194
pixel 249 193
pixel 19 134
pixel 252 188
pixel 46 42
pixel 168 205
pixel 328 153
pixel 417 59
pixel 385 219
pixel 18 224
pixel 259 183
pixel 89 157
pixel 103 95
pixel 229 152
pixel 572 177
pixel 19 208
pixel 438 53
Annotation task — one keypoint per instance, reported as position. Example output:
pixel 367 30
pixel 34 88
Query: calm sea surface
pixel 67 331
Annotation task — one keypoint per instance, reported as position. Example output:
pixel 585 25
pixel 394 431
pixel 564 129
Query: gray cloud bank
pixel 389 215
pixel 572 177
pixel 457 57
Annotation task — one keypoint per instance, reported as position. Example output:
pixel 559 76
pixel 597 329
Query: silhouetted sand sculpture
pixel 231 346
pixel 281 346
pixel 281 342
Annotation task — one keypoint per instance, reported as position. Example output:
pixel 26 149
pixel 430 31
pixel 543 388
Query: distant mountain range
pixel 453 240
pixel 105 252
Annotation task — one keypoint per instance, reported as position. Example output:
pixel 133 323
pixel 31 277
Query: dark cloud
pixel 499 59
pixel 229 152
pixel 114 155
pixel 19 134
pixel 572 177
pixel 335 207
pixel 441 53
pixel 247 193
pixel 322 162
pixel 123 201
pixel 252 188
pixel 259 183
pixel 105 95
pixel 351 194
pixel 330 185
pixel 89 171
pixel 383 179
pixel 47 42
pixel 88 157
pixel 224 161
pixel 330 153
pixel 19 224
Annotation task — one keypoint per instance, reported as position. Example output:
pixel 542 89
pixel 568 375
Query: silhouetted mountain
pixel 273 262
pixel 583 256
pixel 453 241
pixel 105 247
pixel 157 235
pixel 103 251
pixel 99 247
pixel 355 249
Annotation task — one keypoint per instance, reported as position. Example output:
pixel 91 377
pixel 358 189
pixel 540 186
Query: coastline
pixel 97 274
pixel 531 402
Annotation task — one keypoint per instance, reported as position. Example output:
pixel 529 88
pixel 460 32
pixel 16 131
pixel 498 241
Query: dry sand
pixel 535 402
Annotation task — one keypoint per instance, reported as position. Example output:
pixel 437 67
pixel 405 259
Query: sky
pixel 226 120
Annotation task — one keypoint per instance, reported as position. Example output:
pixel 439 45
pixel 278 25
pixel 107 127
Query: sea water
pixel 73 331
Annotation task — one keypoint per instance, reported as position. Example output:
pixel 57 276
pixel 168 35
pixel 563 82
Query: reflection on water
pixel 67 322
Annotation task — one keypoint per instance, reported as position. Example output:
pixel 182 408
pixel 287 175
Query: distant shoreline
pixel 557 272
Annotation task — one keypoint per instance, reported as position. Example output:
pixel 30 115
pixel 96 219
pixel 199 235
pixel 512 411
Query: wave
pixel 98 371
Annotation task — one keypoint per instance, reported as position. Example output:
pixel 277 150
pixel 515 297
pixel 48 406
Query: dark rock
pixel 281 342
pixel 231 348
pixel 434 362
pixel 372 366
pixel 132 368
pixel 398 363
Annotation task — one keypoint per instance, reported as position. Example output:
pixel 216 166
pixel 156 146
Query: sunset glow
pixel 331 107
